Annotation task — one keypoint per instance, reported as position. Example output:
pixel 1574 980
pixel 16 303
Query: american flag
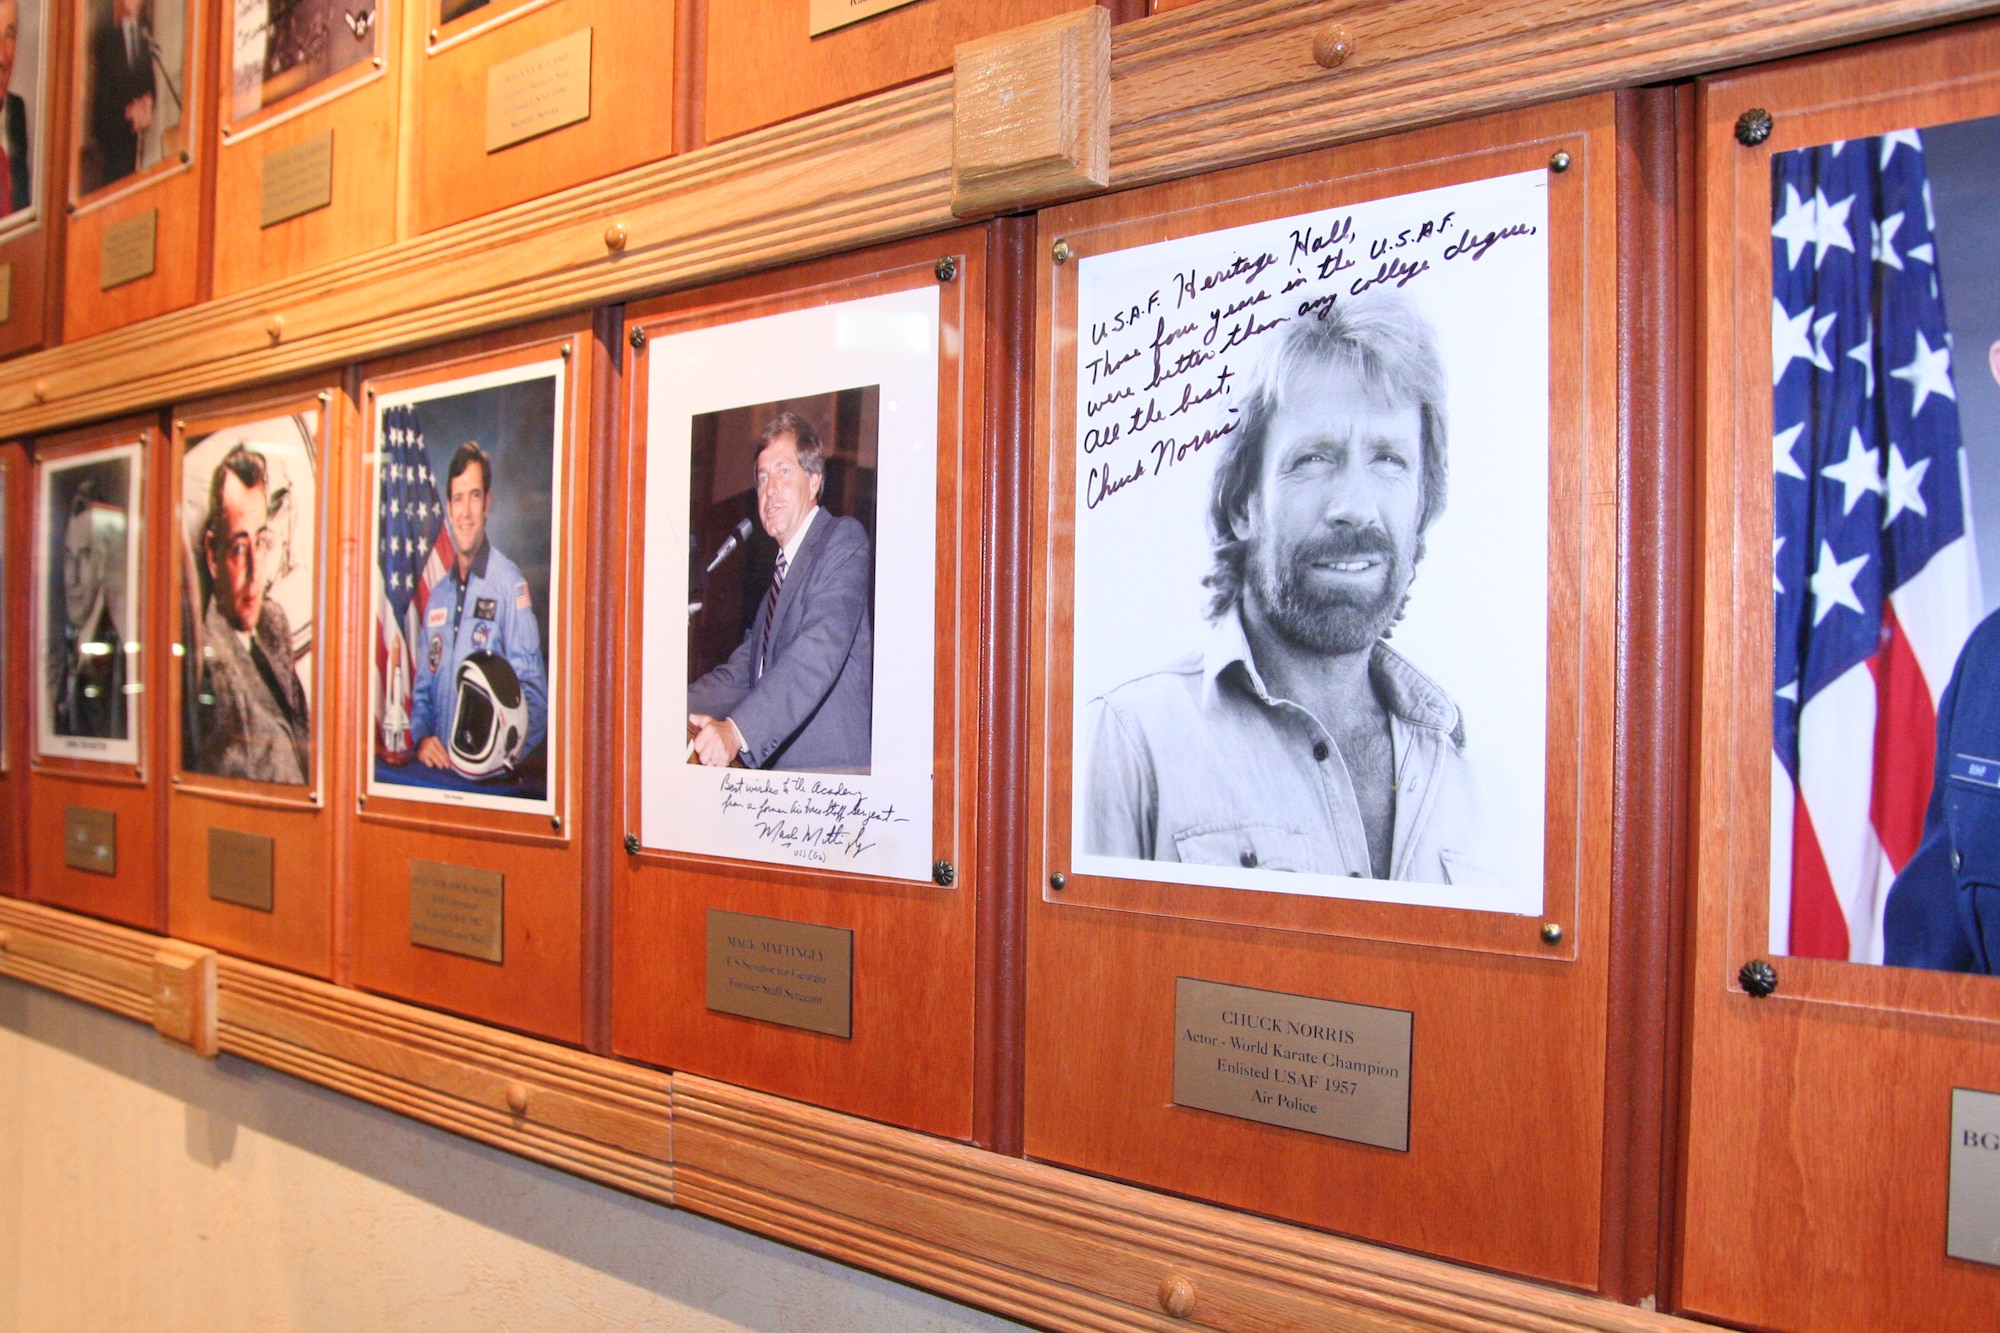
pixel 1874 576
pixel 413 550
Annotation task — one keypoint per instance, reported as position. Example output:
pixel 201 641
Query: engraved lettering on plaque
pixel 296 180
pixel 6 292
pixel 90 839
pixel 125 251
pixel 826 15
pixel 456 909
pixel 538 91
pixel 1342 1070
pixel 240 868
pixel 781 971
pixel 1972 1216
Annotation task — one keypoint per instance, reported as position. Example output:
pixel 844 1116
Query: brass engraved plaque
pixel 1342 1070
pixel 538 91
pixel 782 972
pixel 239 868
pixel 296 180
pixel 456 909
pixel 1972 1209
pixel 826 15
pixel 6 292
pixel 90 839
pixel 125 251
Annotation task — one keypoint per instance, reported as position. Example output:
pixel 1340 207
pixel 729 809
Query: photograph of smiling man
pixel 1338 689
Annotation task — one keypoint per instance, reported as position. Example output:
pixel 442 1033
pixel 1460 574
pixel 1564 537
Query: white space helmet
pixel 489 716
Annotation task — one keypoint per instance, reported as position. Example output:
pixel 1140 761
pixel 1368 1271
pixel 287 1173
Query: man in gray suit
pixel 798 692
pixel 250 718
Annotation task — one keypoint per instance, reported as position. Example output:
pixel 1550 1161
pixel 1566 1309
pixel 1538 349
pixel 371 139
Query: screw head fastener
pixel 1753 127
pixel 1758 978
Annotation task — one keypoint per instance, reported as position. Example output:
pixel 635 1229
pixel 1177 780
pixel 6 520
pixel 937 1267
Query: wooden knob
pixel 275 326
pixel 1332 46
pixel 1177 1295
pixel 615 237
pixel 517 1098
pixel 5 940
pixel 41 391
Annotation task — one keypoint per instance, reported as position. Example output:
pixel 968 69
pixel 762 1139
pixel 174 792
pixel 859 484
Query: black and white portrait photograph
pixel 132 89
pixel 23 48
pixel 280 48
pixel 249 557
pixel 1311 578
pixel 88 538
pixel 790 576
pixel 468 542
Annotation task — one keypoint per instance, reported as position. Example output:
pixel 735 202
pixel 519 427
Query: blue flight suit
pixel 491 610
pixel 1944 908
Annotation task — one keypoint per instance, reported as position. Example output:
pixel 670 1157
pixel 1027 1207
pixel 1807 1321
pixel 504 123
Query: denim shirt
pixel 1198 763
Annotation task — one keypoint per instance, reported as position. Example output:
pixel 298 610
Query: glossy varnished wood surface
pixel 918 948
pixel 1828 1103
pixel 16 702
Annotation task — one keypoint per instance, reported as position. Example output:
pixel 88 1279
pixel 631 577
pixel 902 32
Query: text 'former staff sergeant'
pixel 482 605
pixel 798 692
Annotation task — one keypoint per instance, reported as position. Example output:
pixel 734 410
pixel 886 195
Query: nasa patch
pixel 481 633
pixel 485 608
pixel 437 617
pixel 437 651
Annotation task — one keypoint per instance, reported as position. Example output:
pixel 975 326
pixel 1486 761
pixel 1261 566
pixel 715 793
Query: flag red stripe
pixel 1819 927
pixel 1905 743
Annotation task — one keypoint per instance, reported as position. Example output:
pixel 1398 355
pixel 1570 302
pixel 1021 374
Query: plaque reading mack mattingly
pixel 787 972
pixel 1342 1070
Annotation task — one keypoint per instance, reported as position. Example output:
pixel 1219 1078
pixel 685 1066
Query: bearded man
pixel 1298 740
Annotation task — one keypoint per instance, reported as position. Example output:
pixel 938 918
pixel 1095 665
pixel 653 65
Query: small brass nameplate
pixel 782 972
pixel 239 868
pixel 6 292
pixel 296 180
pixel 538 91
pixel 125 251
pixel 1342 1070
pixel 826 15
pixel 456 909
pixel 90 839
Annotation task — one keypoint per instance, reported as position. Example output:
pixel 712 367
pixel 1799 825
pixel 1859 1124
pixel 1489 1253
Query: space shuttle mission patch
pixel 437 651
pixel 485 608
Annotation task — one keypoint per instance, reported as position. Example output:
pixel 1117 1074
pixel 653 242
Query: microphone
pixel 729 543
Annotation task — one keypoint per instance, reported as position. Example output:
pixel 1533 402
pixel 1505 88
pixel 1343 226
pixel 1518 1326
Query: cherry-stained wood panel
pixel 298 929
pixel 762 66
pixel 133 793
pixel 1817 1120
pixel 924 971
pixel 543 980
pixel 32 251
pixel 360 108
pixel 631 103
pixel 16 700
pixel 1507 1090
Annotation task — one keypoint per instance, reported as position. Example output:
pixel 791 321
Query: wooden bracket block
pixel 1031 114
pixel 184 995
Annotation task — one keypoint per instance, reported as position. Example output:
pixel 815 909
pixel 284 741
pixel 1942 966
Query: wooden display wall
pixel 1068 106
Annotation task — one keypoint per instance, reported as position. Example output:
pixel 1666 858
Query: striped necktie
pixel 770 611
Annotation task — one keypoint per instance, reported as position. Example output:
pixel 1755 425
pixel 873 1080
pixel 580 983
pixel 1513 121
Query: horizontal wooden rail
pixel 1192 90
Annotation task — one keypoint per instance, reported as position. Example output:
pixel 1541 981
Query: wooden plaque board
pixel 1830 1101
pixel 130 788
pixel 109 279
pixel 630 120
pixel 763 65
pixel 1507 1069
pixel 16 552
pixel 223 764
pixel 31 236
pixel 920 975
pixel 545 970
pixel 281 206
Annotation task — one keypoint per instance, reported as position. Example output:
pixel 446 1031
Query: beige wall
pixel 143 1188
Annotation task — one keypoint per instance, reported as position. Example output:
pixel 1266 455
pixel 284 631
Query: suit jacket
pixel 250 715
pixel 18 155
pixel 91 699
pixel 116 84
pixel 813 708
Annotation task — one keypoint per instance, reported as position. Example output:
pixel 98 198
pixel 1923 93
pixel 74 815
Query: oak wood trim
pixel 86 959
pixel 1199 88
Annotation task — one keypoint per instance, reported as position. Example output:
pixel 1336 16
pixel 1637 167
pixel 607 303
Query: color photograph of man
pixel 248 715
pixel 797 691
pixel 133 98
pixel 1297 739
pixel 16 142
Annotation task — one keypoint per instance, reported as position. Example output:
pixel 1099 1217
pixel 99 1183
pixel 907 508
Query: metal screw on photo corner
pixel 1753 127
pixel 947 269
pixel 1559 161
pixel 631 844
pixel 638 337
pixel 1758 978
pixel 1058 881
pixel 1061 252
pixel 1552 932
pixel 943 873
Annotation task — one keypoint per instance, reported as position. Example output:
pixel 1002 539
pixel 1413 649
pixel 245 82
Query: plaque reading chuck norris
pixel 1342 1070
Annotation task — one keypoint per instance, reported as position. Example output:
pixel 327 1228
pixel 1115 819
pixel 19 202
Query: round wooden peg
pixel 517 1098
pixel 41 391
pixel 615 237
pixel 1332 46
pixel 275 327
pixel 1177 1295
pixel 5 940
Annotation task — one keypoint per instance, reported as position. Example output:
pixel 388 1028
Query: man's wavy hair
pixel 1386 346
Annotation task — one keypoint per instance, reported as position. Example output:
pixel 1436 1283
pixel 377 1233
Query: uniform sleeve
pixel 1920 923
pixel 423 681
pixel 1121 796
pixel 797 680
pixel 521 638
